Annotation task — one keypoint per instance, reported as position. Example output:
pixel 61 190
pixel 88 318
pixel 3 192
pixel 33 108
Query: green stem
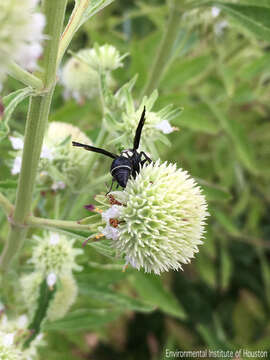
pixel 60 224
pixel 6 205
pixel 165 50
pixel 24 76
pixel 36 122
pixel 71 28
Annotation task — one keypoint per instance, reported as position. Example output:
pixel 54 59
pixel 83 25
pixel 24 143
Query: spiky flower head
pixel 161 222
pixel 60 164
pixel 7 349
pixel 79 79
pixel 81 73
pixel 20 34
pixel 104 58
pixel 54 253
pixel 124 123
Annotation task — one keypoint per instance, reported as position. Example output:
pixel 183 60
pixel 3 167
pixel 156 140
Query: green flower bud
pixel 79 79
pixel 103 58
pixel 54 253
pixel 162 221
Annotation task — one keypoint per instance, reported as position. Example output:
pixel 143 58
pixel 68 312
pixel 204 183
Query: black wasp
pixel 128 163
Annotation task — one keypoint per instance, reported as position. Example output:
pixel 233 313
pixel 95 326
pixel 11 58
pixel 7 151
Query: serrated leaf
pixel 151 290
pixel 84 319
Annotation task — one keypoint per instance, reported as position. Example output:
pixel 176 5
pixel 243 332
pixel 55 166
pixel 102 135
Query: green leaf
pixel 10 102
pixel 215 193
pixel 198 118
pixel 83 319
pixel 8 184
pixel 151 290
pixel 184 70
pixel 254 18
pixel 237 134
pixel 105 294
pixel 226 268
pixel 94 7
pixel 46 295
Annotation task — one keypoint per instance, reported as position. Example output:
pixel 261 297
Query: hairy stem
pixel 38 112
pixel 24 76
pixel 164 50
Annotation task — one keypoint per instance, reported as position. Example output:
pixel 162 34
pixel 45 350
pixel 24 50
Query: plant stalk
pixel 164 51
pixel 36 122
pixel 24 76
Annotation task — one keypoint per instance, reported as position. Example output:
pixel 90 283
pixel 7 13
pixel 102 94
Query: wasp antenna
pixel 95 149
pixel 138 133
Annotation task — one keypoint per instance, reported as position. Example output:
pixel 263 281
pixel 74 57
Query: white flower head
pixel 20 34
pixel 163 218
pixel 54 253
pixel 79 79
pixel 104 58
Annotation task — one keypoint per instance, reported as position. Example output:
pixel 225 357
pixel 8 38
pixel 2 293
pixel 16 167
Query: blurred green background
pixel 218 70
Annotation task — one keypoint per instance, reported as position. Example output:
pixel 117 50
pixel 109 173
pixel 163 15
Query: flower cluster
pixel 124 121
pixel 81 73
pixel 13 333
pixel 20 34
pixel 160 221
pixel 53 259
pixel 60 163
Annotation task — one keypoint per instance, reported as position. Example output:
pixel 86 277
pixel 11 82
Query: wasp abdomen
pixel 121 170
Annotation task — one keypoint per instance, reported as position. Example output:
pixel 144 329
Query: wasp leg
pixel 113 180
pixel 147 158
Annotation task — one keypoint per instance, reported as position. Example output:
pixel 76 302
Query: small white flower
pixel 58 185
pixel 110 232
pixel 16 168
pixel 46 153
pixel 54 239
pixel 215 11
pixel 220 27
pixel 8 340
pixel 22 321
pixel 165 127
pixel 17 143
pixel 112 213
pixel 51 279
